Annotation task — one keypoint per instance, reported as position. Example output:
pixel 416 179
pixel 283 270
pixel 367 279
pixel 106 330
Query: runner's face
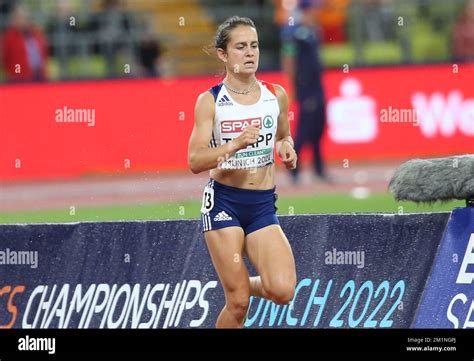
pixel 242 50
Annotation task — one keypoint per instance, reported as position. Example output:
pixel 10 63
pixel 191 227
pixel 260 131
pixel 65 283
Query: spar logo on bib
pixel 268 121
pixel 238 125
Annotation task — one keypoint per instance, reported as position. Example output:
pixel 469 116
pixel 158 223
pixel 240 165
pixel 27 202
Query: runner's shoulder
pixel 280 93
pixel 206 97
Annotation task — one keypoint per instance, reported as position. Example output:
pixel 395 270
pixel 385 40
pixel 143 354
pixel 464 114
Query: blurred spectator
pixel 332 18
pixel 113 26
pixel 24 48
pixel 463 34
pixel 301 61
pixel 149 52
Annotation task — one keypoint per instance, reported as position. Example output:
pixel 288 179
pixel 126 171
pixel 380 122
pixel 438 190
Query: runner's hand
pixel 249 136
pixel 288 155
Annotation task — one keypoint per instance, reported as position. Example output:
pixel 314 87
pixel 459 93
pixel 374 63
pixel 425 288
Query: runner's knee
pixel 281 291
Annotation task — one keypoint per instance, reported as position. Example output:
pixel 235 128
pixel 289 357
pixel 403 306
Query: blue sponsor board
pixel 354 271
pixel 448 300
pixel 107 275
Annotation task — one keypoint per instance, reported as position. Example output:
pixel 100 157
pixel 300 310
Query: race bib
pixel 207 200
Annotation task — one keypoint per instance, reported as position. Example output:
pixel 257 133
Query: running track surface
pixel 105 190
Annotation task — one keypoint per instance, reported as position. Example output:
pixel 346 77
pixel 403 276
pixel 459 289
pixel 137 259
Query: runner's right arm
pixel 200 156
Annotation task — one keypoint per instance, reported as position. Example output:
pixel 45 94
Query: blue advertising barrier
pixel 354 271
pixel 361 271
pixel 448 300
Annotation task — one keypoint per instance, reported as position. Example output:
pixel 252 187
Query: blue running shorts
pixel 225 206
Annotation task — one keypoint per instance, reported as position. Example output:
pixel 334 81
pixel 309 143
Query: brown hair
pixel 223 31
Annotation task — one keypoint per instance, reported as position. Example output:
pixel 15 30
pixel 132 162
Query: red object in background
pixel 14 54
pixel 333 34
pixel 144 125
